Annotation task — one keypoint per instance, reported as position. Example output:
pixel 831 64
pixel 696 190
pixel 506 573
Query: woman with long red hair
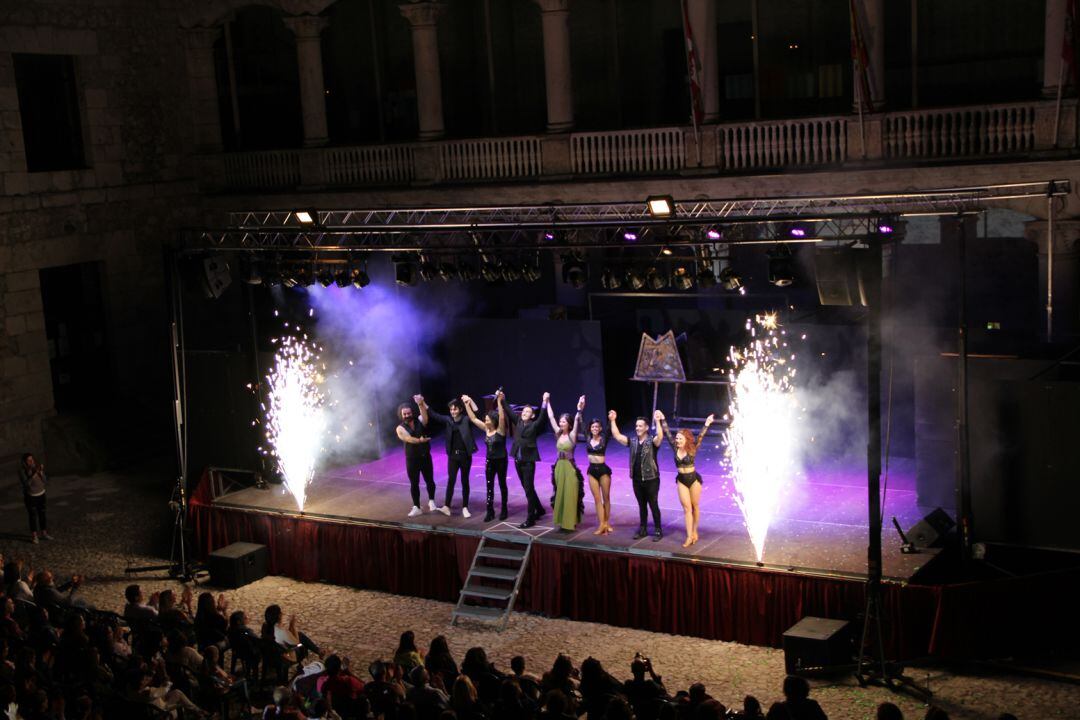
pixel 688 479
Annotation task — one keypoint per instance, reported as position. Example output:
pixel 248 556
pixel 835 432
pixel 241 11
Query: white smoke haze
pixel 376 343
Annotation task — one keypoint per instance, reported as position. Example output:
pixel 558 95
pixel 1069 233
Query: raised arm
pixel 470 410
pixel 551 415
pixel 661 423
pixel 661 428
pixel 704 431
pixel 422 404
pixel 619 437
pixel 577 419
pixel 504 407
pixel 500 401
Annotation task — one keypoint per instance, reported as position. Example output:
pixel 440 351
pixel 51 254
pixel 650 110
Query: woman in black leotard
pixel 494 427
pixel 599 476
pixel 689 480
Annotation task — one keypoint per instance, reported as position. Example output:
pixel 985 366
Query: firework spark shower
pixel 295 416
pixel 759 444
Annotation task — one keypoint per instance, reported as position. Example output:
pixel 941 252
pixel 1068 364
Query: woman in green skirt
pixel 568 503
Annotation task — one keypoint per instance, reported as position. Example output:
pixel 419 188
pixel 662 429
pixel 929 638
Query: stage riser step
pixel 501 554
pixel 476 612
pixel 483 591
pixel 495 573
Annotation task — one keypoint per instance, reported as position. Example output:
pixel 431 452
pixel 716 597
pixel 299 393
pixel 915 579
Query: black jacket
pixel 525 434
pixel 463 425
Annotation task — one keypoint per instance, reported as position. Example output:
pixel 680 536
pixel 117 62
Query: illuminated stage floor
pixel 821 527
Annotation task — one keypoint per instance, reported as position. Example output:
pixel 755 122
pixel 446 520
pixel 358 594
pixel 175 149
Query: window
pixel 49 106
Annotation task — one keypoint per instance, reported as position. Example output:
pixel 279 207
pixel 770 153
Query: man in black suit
pixel 527 427
pixel 460 447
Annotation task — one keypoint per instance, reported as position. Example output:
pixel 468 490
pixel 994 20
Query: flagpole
pixel 691 70
pixel 861 72
pixel 1057 108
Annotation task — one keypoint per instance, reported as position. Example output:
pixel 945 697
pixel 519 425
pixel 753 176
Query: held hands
pixel 658 416
pixel 709 420
pixel 499 396
pixel 611 415
pixel 418 399
pixel 547 398
pixel 581 403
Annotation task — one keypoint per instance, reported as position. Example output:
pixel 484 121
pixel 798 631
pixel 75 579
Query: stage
pixel 821 528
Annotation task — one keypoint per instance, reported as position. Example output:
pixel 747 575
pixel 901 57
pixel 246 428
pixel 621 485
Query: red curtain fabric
pixel 716 602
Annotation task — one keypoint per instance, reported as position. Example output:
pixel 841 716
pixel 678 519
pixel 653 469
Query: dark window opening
pixel 72 296
pixel 49 107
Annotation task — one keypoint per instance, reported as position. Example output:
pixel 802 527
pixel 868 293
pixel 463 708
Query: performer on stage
pixel 527 427
pixel 643 471
pixel 567 506
pixel 599 476
pixel 417 452
pixel 494 427
pixel 460 447
pixel 689 481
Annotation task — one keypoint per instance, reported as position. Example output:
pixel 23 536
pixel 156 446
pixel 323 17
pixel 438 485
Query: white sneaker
pixel 415 511
pixel 465 512
pixel 445 510
pixel 431 505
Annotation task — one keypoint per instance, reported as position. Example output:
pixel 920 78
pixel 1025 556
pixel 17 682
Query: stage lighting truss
pixel 563 228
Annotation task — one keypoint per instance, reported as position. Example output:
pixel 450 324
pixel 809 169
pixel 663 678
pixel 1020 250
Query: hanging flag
pixel 1068 42
pixel 860 57
pixel 693 70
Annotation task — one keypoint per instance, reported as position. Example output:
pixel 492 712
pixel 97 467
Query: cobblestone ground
pixel 106 523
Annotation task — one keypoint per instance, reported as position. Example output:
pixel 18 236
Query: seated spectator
pixel 9 627
pixel 751 709
pixel 486 680
pixel 562 677
pixel 513 703
pixel 137 609
pixel 73 647
pixel 294 644
pixel 529 683
pixel 645 694
pixel 118 640
pixel 428 700
pixel 935 713
pixel 339 683
pixel 42 632
pixel 244 642
pixel 181 654
pixel 619 709
pixel 211 627
pixel 888 711
pixel 406 655
pixel 172 614
pixel 797 704
pixel 385 691
pixel 597 687
pixel 138 688
pixel 16 586
pixel 711 710
pixel 440 663
pixel 465 701
pixel 556 706
pixel 286 705
pixel 47 594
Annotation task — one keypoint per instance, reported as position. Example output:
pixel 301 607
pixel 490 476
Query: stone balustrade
pixel 901 138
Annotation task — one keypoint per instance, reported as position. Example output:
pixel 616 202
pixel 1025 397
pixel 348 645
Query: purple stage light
pixel 549 236
pixel 797 232
pixel 713 234
pixel 630 236
pixel 885 229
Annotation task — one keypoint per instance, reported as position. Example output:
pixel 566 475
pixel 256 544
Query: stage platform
pixel 821 528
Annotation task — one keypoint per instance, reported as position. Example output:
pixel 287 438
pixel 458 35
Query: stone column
pixel 555 19
pixel 1066 302
pixel 308 30
pixel 422 17
pixel 202 81
pixel 703 25
pixel 873 27
pixel 1053 35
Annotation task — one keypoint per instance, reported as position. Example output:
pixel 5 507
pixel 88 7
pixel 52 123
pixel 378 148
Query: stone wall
pixel 130 200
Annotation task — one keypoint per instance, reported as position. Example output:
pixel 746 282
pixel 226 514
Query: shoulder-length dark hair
pixel 271 617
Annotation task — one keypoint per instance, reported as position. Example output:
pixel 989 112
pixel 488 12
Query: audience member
pixel 137 609
pixel 645 694
pixel 888 711
pixel 440 663
pixel 797 704
pixel 406 655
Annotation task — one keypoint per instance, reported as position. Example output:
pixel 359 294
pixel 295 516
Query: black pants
pixel 526 470
pixel 647 493
pixel 458 462
pixel 414 467
pixel 496 467
pixel 35 510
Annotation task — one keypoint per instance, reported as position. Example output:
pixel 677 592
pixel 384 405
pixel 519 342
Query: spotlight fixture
pixel 252 274
pixel 655 279
pixel 797 231
pixel 609 280
pixel 886 225
pixel 706 278
pixel 666 250
pixel 682 278
pixel 730 279
pixel 490 269
pixel 630 235
pixel 325 277
pixel 306 217
pixel 574 272
pixel 661 205
pixel 781 273
pixel 467 271
pixel 428 270
pixel 447 271
pixel 511 272
pixel 342 278
pixel 634 281
pixel 359 278
pixel 530 270
pixel 404 270
pixel 713 234
pixel 548 236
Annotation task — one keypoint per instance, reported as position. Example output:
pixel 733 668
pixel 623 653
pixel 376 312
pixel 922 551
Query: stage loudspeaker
pixel 816 643
pixel 838 281
pixel 931 530
pixel 238 564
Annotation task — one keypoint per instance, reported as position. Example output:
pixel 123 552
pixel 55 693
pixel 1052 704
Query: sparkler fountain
pixel 295 417
pixel 759 444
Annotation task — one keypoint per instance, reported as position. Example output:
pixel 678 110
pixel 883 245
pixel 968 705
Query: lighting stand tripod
pixel 179 566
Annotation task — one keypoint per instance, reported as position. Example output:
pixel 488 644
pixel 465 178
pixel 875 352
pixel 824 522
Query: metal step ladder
pixel 492 585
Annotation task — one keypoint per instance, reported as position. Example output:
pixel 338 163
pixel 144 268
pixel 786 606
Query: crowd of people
pixel 191 656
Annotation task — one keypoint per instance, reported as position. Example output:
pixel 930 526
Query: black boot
pixel 490 515
pixel 529 522
pixel 641 532
pixel 657 535
pixel 503 513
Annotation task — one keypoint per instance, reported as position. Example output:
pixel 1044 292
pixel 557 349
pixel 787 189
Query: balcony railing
pixel 940 134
